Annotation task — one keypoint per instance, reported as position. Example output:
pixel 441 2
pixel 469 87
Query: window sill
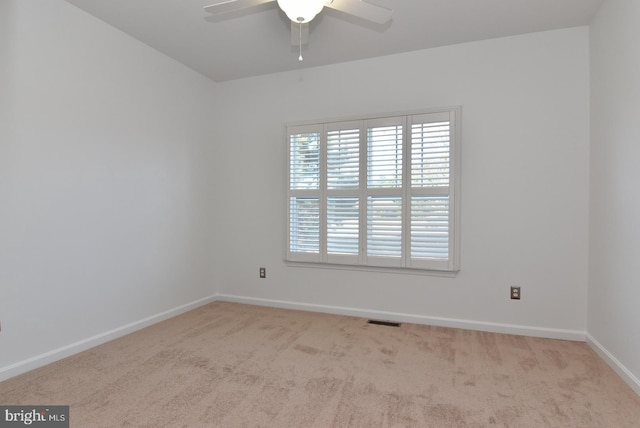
pixel 380 269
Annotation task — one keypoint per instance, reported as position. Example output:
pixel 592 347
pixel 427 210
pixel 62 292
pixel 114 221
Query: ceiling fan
pixel 301 12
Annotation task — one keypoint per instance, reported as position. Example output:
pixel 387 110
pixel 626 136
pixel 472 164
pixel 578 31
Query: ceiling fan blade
pixel 359 8
pixel 233 5
pixel 299 33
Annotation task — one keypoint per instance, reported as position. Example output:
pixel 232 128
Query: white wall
pixel 614 279
pixel 104 217
pixel 525 180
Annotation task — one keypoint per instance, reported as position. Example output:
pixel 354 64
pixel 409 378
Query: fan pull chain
pixel 300 41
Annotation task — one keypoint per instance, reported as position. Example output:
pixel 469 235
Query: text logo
pixel 34 416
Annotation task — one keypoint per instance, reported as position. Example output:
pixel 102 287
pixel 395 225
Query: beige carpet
pixel 231 365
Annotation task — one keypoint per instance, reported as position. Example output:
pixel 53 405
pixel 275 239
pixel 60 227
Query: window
pixel 378 191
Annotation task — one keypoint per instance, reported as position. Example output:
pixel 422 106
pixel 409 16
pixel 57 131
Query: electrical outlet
pixel 515 293
pixel 263 272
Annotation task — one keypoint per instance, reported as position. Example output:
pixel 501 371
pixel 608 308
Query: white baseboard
pixel 65 351
pixel 520 330
pixel 615 364
pixel 68 350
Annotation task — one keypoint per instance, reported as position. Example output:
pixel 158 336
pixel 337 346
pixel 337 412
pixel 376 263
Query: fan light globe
pixel 301 11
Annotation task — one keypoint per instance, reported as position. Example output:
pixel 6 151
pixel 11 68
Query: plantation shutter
pixel 343 197
pixel 304 195
pixel 379 191
pixel 384 162
pixel 430 141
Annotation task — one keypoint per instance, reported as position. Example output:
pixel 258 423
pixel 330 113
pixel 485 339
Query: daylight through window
pixel 378 191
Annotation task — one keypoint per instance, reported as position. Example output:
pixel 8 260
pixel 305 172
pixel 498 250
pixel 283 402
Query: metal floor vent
pixel 385 323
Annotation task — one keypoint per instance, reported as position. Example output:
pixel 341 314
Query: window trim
pixel 363 262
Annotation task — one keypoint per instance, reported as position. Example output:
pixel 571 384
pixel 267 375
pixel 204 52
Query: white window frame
pixel 362 260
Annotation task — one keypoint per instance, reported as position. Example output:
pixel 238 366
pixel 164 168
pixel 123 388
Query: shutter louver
pixel 430 154
pixel 430 227
pixel 304 225
pixel 384 226
pixel 384 157
pixel 304 168
pixel 343 159
pixel 342 225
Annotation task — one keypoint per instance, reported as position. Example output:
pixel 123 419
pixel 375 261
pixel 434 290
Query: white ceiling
pixel 257 41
